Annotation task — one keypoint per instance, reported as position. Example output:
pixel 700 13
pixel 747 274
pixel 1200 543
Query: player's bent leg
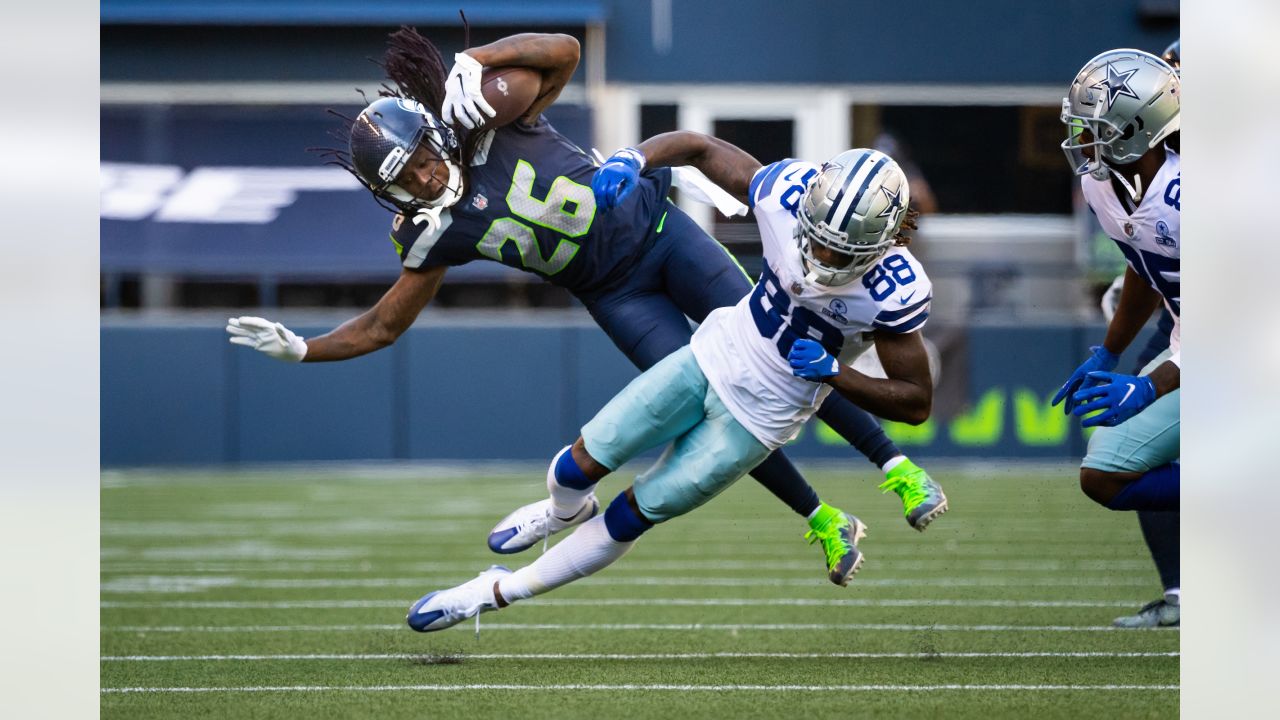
pixel 663 402
pixel 572 502
pixel 922 497
pixel 595 545
pixel 780 477
pixel 712 456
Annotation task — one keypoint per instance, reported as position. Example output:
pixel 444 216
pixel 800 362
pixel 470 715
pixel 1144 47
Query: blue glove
pixel 1120 397
pixel 811 361
pixel 1101 360
pixel 616 178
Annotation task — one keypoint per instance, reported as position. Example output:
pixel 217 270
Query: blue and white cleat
pixel 445 608
pixel 534 523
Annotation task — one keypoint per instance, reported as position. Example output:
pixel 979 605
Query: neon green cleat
pixel 922 498
pixel 839 533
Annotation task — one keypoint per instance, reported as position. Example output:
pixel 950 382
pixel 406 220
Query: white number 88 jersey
pixel 743 349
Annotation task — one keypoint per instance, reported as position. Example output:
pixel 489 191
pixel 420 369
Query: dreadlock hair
pixel 416 71
pixel 901 239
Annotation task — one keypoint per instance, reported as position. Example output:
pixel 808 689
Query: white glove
pixel 267 337
pixel 464 103
pixel 1111 298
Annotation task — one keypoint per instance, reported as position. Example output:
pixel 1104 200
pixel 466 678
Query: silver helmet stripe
pixel 866 183
pixel 848 180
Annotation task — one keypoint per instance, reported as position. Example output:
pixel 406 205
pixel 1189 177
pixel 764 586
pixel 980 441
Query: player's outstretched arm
pixel 905 395
pixel 376 328
pixel 555 55
pixel 724 163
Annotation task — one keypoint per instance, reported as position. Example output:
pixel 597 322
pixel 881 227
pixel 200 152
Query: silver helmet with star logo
pixel 854 207
pixel 1121 104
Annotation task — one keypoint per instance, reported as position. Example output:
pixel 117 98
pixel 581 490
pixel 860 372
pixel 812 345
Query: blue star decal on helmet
pixel 1117 84
pixel 894 207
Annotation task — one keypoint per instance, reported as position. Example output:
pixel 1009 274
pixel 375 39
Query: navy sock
pixel 782 479
pixel 1157 489
pixel 569 474
pixel 1160 530
pixel 859 427
pixel 622 521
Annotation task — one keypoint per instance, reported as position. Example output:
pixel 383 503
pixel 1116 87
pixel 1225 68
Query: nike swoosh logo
pixel 1127 393
pixel 907 299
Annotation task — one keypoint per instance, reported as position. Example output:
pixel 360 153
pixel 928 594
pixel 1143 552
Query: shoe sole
pixel 860 532
pixel 923 521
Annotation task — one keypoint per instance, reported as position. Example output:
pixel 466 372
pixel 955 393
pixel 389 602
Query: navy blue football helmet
pixel 384 136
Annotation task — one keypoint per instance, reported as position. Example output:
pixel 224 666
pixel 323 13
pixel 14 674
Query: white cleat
pixel 445 608
pixel 534 523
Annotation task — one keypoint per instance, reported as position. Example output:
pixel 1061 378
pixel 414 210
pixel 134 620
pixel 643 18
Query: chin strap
pixel 1135 190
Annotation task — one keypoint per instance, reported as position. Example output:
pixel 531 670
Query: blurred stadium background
pixel 211 205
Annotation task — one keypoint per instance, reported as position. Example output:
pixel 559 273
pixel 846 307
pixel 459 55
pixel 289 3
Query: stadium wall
pixel 182 395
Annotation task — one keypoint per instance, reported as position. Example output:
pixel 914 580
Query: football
pixel 509 91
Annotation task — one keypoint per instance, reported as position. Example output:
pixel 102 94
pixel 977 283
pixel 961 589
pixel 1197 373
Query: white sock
pixel 588 550
pixel 893 462
pixel 565 501
pixel 1173 595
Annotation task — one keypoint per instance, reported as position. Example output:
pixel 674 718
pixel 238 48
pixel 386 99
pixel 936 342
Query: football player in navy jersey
pixel 520 194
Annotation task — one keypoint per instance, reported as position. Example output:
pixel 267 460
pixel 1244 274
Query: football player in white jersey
pixel 1160 530
pixel 836 280
pixel 1120 109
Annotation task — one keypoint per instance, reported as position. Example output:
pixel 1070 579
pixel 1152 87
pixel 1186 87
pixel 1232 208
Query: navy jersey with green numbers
pixel 529 205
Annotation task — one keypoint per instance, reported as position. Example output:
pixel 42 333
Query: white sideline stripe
pixel 148 585
pixel 677 688
pixel 642 656
pixel 629 626
pixel 626 602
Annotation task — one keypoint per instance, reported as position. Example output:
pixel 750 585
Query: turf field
pixel 282 594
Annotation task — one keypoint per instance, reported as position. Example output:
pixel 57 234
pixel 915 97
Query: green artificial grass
pixel 283 594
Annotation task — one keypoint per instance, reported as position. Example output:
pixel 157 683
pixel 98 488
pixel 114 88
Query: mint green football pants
pixel 673 402
pixel 1143 442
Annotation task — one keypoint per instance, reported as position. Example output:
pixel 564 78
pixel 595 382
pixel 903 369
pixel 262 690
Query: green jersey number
pixel 569 209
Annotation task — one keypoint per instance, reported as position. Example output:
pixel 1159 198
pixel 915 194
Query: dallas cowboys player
pixel 1120 109
pixel 1160 530
pixel 519 194
pixel 835 281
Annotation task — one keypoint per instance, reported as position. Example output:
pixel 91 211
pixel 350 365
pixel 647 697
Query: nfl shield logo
pixel 480 202
pixel 1128 229
pixel 796 288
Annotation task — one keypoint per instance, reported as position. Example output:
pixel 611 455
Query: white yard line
pixel 164 584
pixel 625 602
pixel 949 564
pixel 637 656
pixel 643 688
pixel 682 627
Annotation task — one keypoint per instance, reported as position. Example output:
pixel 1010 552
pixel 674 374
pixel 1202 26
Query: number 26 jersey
pixel 743 349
